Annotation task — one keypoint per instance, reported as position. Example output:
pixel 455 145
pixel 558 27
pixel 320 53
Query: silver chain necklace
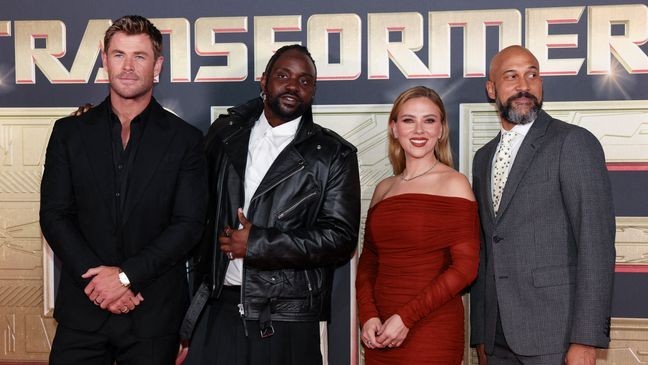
pixel 419 175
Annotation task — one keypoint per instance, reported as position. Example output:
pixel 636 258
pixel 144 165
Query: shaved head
pixel 507 53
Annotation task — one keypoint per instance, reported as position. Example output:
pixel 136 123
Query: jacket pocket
pixel 554 276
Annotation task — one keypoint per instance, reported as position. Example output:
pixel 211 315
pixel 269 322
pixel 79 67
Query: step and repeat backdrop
pixel 593 57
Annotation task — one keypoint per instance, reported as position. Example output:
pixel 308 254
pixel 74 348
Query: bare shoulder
pixel 454 183
pixel 381 189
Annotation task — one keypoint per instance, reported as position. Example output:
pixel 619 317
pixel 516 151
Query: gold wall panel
pixel 629 344
pixel 632 240
pixel 26 322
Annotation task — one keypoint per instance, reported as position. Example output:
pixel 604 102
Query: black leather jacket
pixel 305 215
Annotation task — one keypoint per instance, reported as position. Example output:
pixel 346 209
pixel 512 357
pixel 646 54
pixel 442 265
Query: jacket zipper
pixel 301 167
pixel 221 177
pixel 310 290
pixel 241 307
pixel 291 208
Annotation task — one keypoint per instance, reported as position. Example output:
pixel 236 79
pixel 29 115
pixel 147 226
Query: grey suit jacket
pixel 547 259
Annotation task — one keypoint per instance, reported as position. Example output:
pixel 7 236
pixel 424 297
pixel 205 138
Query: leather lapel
pixel 285 165
pixel 96 142
pixel 236 135
pixel 155 140
pixel 236 148
pixel 523 159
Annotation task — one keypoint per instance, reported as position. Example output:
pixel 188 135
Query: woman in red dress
pixel 421 246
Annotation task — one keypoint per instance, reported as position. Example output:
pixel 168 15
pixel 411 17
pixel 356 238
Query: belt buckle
pixel 267 331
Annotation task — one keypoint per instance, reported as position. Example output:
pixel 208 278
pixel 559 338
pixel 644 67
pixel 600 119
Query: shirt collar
pixel 288 129
pixel 140 118
pixel 520 129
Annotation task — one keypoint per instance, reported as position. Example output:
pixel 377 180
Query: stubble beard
pixel 274 103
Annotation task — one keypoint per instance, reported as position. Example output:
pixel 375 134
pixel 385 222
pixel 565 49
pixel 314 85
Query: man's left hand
pixel 125 303
pixel 232 242
pixel 580 355
pixel 105 287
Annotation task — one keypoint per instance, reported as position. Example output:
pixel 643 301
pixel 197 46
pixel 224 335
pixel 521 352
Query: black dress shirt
pixel 123 156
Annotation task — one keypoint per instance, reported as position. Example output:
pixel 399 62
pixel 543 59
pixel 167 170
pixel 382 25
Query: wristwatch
pixel 123 279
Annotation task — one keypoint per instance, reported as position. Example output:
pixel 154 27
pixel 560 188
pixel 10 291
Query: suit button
pixel 497 239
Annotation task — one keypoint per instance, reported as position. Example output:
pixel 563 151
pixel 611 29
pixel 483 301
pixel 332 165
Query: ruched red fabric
pixel 420 252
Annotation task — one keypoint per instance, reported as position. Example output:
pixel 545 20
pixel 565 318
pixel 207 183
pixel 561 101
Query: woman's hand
pixel 393 332
pixel 369 330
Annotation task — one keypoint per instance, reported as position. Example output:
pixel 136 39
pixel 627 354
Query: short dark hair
pixel 284 49
pixel 133 25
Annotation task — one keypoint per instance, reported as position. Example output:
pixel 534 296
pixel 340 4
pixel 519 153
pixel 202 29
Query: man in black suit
pixel 122 202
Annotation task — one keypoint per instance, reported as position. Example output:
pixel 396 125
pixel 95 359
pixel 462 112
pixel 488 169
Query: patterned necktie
pixel 501 169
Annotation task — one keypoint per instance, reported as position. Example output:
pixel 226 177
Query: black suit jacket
pixel 162 215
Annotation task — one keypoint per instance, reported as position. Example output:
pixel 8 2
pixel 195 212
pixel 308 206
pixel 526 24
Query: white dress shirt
pixel 265 144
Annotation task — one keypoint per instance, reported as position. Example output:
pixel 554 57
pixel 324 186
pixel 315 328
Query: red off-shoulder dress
pixel 420 252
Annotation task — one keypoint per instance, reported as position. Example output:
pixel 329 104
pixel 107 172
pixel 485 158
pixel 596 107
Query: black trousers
pixel 113 343
pixel 220 338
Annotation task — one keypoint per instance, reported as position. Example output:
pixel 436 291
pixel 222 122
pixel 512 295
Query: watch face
pixel 123 279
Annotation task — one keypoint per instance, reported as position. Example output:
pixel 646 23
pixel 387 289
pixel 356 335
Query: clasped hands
pixel 233 242
pixel 106 291
pixel 378 335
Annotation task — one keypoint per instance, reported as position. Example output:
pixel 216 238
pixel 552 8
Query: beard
pixel 286 114
pixel 510 113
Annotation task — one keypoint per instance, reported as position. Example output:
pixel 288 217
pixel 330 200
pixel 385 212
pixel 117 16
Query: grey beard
pixel 507 112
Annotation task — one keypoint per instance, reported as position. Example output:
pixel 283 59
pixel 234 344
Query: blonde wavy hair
pixel 442 150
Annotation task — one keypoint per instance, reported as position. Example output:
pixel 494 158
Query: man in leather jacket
pixel 284 211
